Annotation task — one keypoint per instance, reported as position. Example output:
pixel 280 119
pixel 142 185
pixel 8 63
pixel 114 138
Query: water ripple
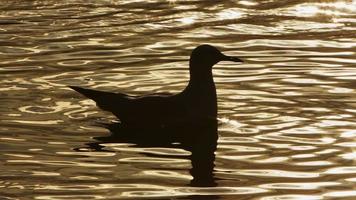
pixel 286 115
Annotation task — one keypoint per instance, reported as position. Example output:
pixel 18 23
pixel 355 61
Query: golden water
pixel 288 114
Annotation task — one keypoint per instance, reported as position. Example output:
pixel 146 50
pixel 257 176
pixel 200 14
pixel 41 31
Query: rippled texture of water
pixel 288 125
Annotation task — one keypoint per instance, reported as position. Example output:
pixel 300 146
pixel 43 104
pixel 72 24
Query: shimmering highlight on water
pixel 287 115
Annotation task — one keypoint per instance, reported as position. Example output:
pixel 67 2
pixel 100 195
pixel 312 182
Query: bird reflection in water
pixel 199 137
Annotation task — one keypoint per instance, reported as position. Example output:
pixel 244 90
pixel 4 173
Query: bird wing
pixel 159 108
pixel 151 109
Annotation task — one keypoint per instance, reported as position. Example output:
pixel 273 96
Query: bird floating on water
pixel 196 102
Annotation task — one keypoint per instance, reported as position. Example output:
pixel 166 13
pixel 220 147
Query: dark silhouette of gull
pixel 196 103
pixel 187 120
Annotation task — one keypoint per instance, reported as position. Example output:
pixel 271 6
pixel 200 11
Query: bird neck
pixel 201 82
pixel 201 77
pixel 201 92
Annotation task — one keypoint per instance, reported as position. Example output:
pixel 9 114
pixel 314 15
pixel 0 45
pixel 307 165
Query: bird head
pixel 207 56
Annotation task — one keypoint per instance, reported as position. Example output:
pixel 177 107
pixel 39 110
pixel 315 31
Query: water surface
pixel 287 115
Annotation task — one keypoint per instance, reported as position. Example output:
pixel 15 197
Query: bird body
pixel 156 110
pixel 197 102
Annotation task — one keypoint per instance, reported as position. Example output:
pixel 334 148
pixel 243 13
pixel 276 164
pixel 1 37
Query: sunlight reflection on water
pixel 286 116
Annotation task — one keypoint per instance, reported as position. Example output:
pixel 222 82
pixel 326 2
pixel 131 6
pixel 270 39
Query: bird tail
pixel 91 94
pixel 104 100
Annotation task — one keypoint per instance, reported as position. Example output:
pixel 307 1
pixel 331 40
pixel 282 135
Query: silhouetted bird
pixel 197 102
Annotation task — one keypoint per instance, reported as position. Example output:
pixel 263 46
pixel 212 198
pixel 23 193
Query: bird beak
pixel 230 58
